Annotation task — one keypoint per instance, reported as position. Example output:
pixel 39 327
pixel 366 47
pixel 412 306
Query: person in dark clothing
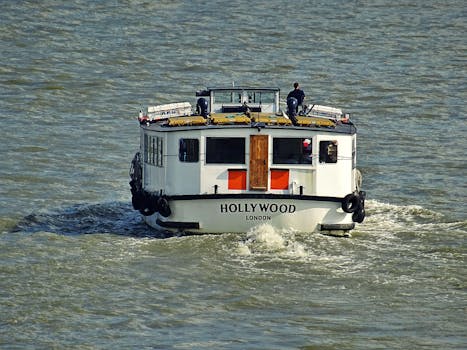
pixel 297 93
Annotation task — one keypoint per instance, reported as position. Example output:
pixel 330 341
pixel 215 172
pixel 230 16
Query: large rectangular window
pixel 261 97
pixel 328 152
pixel 153 150
pixel 188 150
pixel 354 153
pixel 288 150
pixel 225 150
pixel 227 97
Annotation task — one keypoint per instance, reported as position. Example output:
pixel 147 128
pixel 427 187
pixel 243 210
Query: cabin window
pixel 261 97
pixel 225 150
pixel 188 150
pixel 153 150
pixel 354 153
pixel 328 152
pixel 288 150
pixel 227 97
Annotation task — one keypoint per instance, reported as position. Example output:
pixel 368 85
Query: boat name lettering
pixel 257 217
pixel 257 208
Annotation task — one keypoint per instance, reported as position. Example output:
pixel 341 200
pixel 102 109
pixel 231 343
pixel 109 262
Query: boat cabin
pixel 237 140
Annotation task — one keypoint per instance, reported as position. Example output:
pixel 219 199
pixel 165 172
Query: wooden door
pixel 259 162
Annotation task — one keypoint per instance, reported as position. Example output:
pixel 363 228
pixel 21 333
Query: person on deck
pixel 297 93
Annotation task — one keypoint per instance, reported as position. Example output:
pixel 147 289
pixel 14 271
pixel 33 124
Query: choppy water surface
pixel 78 268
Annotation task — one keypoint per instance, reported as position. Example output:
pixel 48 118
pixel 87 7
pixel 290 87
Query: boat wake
pixel 385 224
pixel 383 221
pixel 113 218
pixel 389 218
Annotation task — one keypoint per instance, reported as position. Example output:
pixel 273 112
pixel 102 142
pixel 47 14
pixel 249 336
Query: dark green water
pixel 78 268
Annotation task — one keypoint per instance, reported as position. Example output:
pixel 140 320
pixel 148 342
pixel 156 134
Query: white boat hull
pixel 239 215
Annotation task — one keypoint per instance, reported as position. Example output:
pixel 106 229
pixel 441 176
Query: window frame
pixel 324 152
pixel 153 150
pixel 190 153
pixel 215 144
pixel 301 156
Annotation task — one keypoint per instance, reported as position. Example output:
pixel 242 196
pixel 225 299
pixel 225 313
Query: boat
pixel 240 157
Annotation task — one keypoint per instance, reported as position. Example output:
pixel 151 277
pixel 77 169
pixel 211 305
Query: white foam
pixel 390 217
pixel 265 238
pixel 243 249
pixel 266 235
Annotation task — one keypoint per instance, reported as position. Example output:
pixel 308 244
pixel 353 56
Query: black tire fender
pixel 148 201
pixel 164 208
pixel 137 200
pixel 359 216
pixel 350 203
pixel 147 211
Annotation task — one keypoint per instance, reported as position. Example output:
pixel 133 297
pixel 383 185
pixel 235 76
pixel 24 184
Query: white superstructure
pixel 237 160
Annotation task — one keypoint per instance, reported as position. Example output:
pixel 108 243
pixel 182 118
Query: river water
pixel 79 269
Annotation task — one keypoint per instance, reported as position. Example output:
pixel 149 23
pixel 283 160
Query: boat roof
pixel 339 128
pixel 246 107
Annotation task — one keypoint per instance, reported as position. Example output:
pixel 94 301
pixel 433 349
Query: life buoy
pixel 350 203
pixel 163 207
